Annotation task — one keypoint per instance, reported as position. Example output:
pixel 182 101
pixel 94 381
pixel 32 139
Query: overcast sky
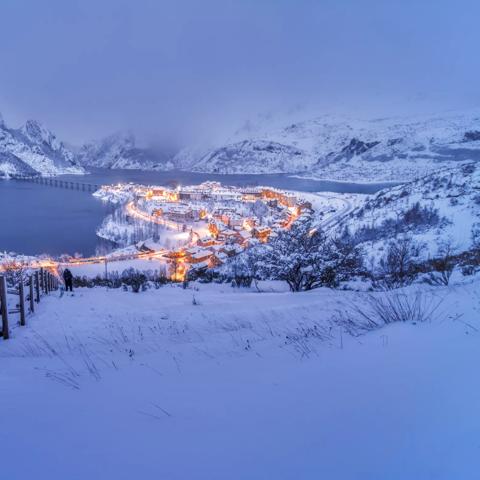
pixel 179 70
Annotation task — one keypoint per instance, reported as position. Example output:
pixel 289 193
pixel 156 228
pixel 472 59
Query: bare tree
pixel 15 272
pixel 399 266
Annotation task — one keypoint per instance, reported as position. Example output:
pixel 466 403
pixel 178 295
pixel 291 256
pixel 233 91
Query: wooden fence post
pixel 4 307
pixel 37 286
pixel 21 294
pixel 30 294
pixel 42 278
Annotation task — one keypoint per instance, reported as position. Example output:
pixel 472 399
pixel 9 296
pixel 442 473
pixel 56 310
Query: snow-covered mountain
pixel 34 150
pixel 248 156
pixel 342 148
pixel 120 151
pixel 328 146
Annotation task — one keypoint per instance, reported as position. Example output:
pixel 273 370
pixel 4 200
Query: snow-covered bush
pixel 306 258
pixel 244 269
pixel 113 281
pixel 205 276
pixel 128 278
pixel 135 279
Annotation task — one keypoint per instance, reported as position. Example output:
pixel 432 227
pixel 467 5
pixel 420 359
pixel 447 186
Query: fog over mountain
pixel 184 72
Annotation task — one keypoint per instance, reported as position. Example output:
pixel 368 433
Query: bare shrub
pixel 391 307
pixel 443 265
pixel 416 218
pixel 300 338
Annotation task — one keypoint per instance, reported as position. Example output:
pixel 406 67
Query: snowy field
pixel 219 383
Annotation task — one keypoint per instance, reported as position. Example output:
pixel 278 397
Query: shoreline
pixel 389 183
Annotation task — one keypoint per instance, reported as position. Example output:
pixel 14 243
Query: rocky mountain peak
pixel 33 149
pixel 357 147
pixel 37 133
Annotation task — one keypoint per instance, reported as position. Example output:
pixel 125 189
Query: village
pixel 214 222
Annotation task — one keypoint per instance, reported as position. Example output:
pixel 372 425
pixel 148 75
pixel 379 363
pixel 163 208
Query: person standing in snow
pixel 68 279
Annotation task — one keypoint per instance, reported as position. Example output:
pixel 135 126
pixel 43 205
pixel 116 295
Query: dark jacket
pixel 67 276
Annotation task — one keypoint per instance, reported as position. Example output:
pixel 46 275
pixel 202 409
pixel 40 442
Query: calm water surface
pixel 38 219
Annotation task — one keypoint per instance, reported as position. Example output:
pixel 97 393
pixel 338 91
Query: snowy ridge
pixel 342 148
pixel 253 156
pixel 34 150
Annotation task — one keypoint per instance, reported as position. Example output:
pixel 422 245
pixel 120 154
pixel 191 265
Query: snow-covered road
pixel 331 220
pixel 330 208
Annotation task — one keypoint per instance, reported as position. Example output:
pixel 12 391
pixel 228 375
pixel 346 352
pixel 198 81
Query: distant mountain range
pixel 120 151
pixel 341 148
pixel 330 147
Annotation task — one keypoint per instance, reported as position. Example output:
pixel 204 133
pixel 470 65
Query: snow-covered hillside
pixel 252 156
pixel 120 151
pixel 439 208
pixel 34 150
pixel 240 385
pixel 343 148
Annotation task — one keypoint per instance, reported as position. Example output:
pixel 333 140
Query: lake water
pixel 38 219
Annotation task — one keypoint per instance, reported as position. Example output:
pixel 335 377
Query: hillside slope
pixel 439 208
pixel 240 375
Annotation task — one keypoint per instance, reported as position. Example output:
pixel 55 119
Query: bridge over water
pixel 58 182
